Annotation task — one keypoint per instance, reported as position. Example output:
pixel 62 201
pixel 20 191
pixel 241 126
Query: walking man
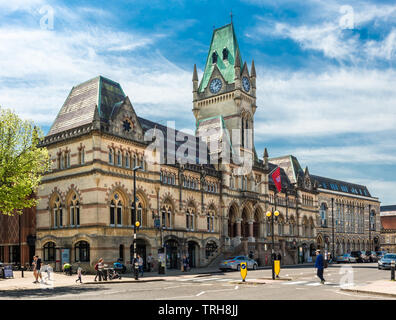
pixel 99 269
pixel 149 262
pixel 140 264
pixel 319 265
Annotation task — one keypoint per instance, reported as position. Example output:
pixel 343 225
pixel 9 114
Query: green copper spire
pixel 222 38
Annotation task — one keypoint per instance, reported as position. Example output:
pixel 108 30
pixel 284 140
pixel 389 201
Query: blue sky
pixel 326 70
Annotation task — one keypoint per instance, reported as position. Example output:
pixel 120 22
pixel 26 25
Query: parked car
pixel 358 255
pixel 234 263
pixel 385 261
pixel 346 258
pixel 365 256
pixel 372 256
pixel 380 254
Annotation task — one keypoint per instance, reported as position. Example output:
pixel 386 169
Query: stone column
pixel 261 229
pixel 238 227
pixel 251 237
pixel 225 227
pixel 58 266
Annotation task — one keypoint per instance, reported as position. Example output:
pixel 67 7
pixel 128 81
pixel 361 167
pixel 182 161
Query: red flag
pixel 277 179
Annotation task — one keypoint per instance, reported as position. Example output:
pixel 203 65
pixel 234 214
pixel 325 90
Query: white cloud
pixel 324 29
pixel 39 67
pixel 326 104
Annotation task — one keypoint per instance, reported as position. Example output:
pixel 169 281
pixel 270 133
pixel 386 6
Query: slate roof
pixel 223 37
pixel 79 107
pixel 148 124
pixel 388 208
pixel 341 186
pixel 290 165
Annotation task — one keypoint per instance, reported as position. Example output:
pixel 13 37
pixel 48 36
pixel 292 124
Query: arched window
pixel 74 211
pixel 291 227
pixel 57 213
pixel 127 164
pixel 119 158
pixel 81 251
pixel 134 161
pixel 116 210
pixel 166 216
pixel 190 219
pixel 49 251
pixel 372 220
pixel 323 214
pixel 81 156
pixel 111 156
pixel 210 249
pixel 225 54
pixel 214 57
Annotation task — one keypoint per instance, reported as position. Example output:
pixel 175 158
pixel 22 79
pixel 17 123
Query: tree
pixel 22 162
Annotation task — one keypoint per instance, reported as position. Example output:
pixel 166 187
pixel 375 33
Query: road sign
pixel 243 271
pixel 277 267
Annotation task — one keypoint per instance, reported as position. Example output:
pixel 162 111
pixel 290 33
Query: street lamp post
pixel 370 227
pixel 136 224
pixel 332 224
pixel 271 214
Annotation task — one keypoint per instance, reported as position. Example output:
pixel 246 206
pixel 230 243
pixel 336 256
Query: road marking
pixel 201 293
pixel 226 280
pixel 294 282
pixel 314 284
pixel 236 287
pixel 205 279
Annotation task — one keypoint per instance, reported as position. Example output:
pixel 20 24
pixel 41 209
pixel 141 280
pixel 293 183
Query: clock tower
pixel 227 91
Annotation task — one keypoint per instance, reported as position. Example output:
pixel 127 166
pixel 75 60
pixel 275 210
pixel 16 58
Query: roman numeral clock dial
pixel 215 85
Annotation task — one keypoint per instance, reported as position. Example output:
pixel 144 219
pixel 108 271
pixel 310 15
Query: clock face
pixel 127 125
pixel 215 85
pixel 246 84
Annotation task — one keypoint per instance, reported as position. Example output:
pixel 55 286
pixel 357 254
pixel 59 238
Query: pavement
pixel 368 282
pixel 62 280
pixel 385 288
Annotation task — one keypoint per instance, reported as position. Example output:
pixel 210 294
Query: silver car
pixel 385 261
pixel 346 258
pixel 234 263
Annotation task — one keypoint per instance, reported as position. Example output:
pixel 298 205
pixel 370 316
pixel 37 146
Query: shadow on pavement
pixel 47 292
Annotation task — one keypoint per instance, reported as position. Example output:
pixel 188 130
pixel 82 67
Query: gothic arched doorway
pixel 171 254
pixel 232 225
pixel 193 250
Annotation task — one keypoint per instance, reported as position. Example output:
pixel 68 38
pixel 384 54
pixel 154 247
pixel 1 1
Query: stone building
pixel 388 228
pixel 212 206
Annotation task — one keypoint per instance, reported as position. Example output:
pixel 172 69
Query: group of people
pixel 39 268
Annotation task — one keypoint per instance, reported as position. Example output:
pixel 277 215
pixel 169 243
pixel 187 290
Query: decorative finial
pixel 231 15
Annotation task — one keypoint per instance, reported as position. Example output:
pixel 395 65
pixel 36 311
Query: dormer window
pixel 214 57
pixel 225 54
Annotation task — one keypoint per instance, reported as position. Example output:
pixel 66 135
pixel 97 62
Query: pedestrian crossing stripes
pixel 206 279
pixel 287 283
pixel 311 284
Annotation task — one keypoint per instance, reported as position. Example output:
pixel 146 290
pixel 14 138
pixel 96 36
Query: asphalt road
pixel 219 286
